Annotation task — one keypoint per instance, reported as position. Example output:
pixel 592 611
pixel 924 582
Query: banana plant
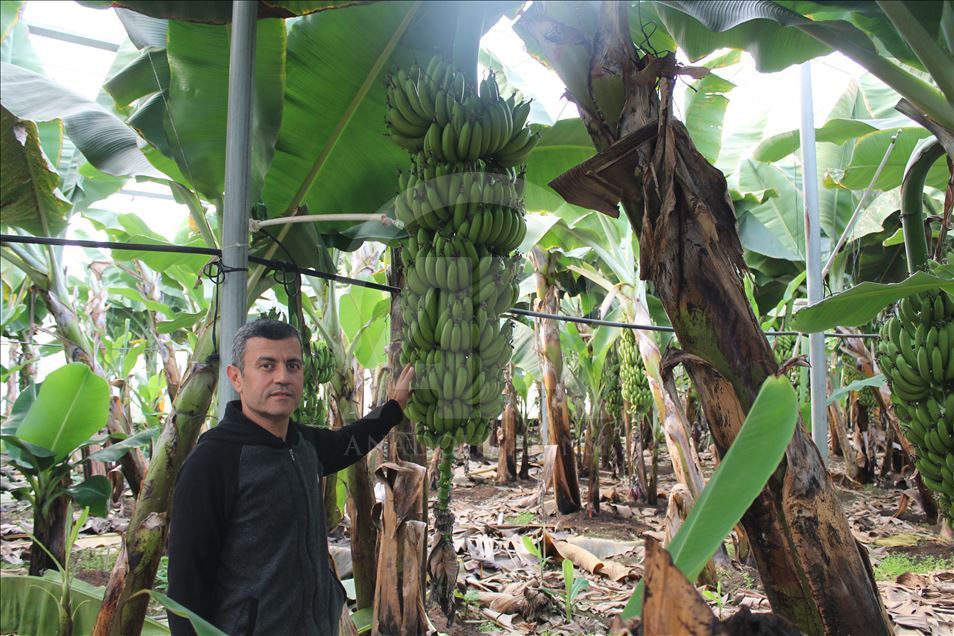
pixel 47 426
pixel 591 236
pixel 689 249
pixel 879 36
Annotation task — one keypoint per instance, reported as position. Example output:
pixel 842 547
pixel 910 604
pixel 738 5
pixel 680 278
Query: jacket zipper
pixel 308 546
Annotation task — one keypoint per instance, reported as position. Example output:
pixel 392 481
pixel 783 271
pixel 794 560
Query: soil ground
pixel 913 565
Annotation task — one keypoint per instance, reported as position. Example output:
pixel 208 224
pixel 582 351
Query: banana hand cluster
pixel 916 353
pixel 635 389
pixel 321 362
pixel 461 203
pixel 430 110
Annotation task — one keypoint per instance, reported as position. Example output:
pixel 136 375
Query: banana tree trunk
pixel 49 528
pixel 597 435
pixel 402 443
pixel 815 573
pixel 565 482
pixel 144 540
pixel 133 463
pixel 360 494
pixel 685 461
pixel 507 440
pixel 399 597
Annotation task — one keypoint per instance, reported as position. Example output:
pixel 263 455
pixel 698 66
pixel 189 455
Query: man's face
pixel 271 383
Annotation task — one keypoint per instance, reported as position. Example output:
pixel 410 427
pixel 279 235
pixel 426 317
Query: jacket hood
pixel 235 428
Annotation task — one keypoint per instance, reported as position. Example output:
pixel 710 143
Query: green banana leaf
pixel 750 461
pixel 705 106
pixel 143 31
pixel 197 113
pixel 860 304
pixel 29 606
pixel 9 16
pixel 763 31
pixel 73 403
pixel 115 451
pixel 92 493
pixel 29 188
pixel 857 385
pixel 779 213
pixel 364 316
pixel 562 146
pixel 104 140
pixel 869 152
pixel 201 626
pixel 332 128
pixel 836 131
pixel 777 37
pixel 217 12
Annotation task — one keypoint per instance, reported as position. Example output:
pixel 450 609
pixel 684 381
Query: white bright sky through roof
pixel 82 69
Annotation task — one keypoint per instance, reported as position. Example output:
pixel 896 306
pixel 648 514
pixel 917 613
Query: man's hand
pixel 402 388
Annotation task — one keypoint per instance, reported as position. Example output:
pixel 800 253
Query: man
pixel 248 546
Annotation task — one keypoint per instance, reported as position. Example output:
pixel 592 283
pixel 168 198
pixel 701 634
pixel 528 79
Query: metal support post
pixel 816 341
pixel 232 294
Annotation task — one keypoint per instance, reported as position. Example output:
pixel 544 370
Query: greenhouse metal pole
pixel 813 266
pixel 232 301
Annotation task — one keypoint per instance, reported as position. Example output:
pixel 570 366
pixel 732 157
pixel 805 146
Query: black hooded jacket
pixel 248 545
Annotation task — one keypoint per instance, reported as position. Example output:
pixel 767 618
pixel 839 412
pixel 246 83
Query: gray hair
pixel 262 328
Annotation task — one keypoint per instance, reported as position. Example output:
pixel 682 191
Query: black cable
pixel 205 251
pixel 626 325
pixel 352 281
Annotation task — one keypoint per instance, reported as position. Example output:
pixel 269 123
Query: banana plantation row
pixel 494 207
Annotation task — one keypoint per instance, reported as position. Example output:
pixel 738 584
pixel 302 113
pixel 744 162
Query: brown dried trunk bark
pixel 133 463
pixel 592 462
pixel 672 417
pixel 840 433
pixel 49 527
pixel 815 573
pixel 507 444
pixel 565 482
pixel 399 595
pixel 347 404
pixel 402 442
pixel 525 457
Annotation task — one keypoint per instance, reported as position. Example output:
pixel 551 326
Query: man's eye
pixel 267 366
pixel 295 366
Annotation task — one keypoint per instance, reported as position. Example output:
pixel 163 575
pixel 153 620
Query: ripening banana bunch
pixel 322 363
pixel 430 110
pixel 916 353
pixel 851 374
pixel 611 393
pixel 635 389
pixel 461 204
pixel 784 347
pixel 318 369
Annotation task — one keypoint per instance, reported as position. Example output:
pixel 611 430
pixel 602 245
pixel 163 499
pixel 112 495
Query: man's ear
pixel 235 377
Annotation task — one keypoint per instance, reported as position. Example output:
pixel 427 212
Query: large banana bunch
pixel 461 203
pixel 635 389
pixel 916 352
